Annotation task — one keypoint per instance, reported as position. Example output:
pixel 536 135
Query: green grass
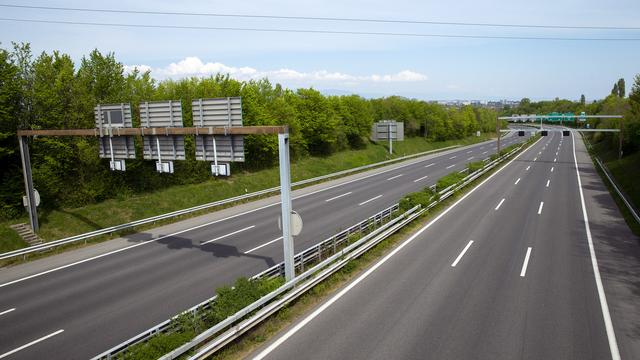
pixel 60 223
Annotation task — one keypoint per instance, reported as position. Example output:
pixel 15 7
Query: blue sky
pixel 420 67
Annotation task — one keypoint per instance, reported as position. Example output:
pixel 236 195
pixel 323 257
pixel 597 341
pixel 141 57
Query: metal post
pixel 620 141
pixel 28 182
pixel 389 136
pixel 499 134
pixel 285 195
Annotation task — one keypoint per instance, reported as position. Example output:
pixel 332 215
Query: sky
pixel 423 67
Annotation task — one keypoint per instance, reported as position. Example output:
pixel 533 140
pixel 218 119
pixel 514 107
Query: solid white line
pixel 608 324
pixel 540 207
pixel 7 311
pixel 453 157
pixel 462 254
pixel 377 197
pixel 471 158
pixel 422 178
pixel 226 236
pixel 337 197
pixel 373 268
pixel 450 166
pixel 394 177
pixel 552 169
pixel 430 165
pixel 528 167
pixel 517 181
pixel 31 343
pixel 526 263
pixel 263 245
pixel 548 181
pixel 499 204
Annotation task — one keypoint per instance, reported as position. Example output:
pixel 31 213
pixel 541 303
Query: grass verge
pixel 60 223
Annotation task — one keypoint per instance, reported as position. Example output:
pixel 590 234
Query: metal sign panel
pixel 381 130
pixel 219 112
pixel 228 148
pixel 162 114
pixel 122 146
pixel 113 115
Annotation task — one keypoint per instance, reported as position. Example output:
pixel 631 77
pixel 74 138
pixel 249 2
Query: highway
pixel 78 310
pixel 507 273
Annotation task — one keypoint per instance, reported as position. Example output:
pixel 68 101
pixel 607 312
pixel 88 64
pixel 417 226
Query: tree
pixel 615 91
pixel 582 100
pixel 621 88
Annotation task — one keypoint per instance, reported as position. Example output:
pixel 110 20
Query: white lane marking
pixel 455 262
pixel 608 324
pixel 450 166
pixel 263 245
pixel 535 158
pixel 453 157
pixel 528 167
pixel 556 153
pixel 469 152
pixel 373 268
pixel 422 178
pixel 338 197
pixel 555 159
pixel 31 343
pixel 540 207
pixel 481 147
pixel 430 165
pixel 374 198
pixel 526 262
pixel 517 181
pixel 548 181
pixel 209 223
pixel 539 152
pixel 500 204
pixel 227 235
pixel 471 158
pixel 552 169
pixel 484 152
pixel 394 177
pixel 7 311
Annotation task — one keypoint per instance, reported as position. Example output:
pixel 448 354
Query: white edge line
pixel 7 311
pixel 422 178
pixel 31 343
pixel 227 235
pixel 373 198
pixel 373 268
pixel 499 204
pixel 523 272
pixel 263 245
pixel 455 262
pixel 608 324
pixel 339 196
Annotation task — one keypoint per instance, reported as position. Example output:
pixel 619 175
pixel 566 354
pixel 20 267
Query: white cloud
pixel 193 66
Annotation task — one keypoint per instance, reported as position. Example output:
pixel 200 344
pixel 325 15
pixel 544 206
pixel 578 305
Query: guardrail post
pixel 285 197
pixel 28 182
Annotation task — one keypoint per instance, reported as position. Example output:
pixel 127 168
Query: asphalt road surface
pixel 81 310
pixel 507 273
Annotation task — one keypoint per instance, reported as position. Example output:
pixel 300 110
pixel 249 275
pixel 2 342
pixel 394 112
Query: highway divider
pixel 321 261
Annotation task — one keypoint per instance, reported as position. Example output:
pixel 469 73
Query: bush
pixel 448 180
pixel 473 166
pixel 424 198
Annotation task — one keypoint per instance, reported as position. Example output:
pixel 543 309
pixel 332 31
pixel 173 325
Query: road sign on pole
pixel 162 147
pixel 387 130
pixel 109 120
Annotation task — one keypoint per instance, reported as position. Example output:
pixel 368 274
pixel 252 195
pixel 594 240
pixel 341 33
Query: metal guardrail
pixel 108 230
pixel 309 255
pixel 622 195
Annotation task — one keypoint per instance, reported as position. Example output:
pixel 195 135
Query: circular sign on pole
pixel 296 223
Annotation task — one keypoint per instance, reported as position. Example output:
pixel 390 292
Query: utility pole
pixel 285 195
pixel 498 132
pixel 28 182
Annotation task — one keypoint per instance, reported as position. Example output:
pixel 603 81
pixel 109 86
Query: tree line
pixel 50 91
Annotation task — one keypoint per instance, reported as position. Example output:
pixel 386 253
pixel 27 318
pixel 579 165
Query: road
pixel 507 273
pixel 78 310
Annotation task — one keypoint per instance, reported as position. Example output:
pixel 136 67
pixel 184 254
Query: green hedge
pixel 424 198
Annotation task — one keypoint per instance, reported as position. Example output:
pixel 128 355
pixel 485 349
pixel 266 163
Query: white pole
pixel 215 155
pixel 285 197
pixel 159 156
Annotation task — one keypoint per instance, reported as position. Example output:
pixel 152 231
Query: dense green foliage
pixel 449 179
pixel 424 197
pixel 50 91
pixel 229 300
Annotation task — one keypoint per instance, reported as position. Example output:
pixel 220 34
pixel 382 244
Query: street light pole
pixel 285 197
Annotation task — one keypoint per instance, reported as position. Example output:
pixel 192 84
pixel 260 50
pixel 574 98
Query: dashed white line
pixel 540 207
pixel 469 152
pixel 263 245
pixel 395 177
pixel 7 311
pixel 455 262
pixel 555 159
pixel 548 181
pixel 374 198
pixel 552 169
pixel 484 152
pixel 338 197
pixel 556 153
pixel 227 235
pixel 450 166
pixel 528 167
pixel 31 343
pixel 471 158
pixel 430 165
pixel 535 158
pixel 422 178
pixel 526 262
pixel 453 157
pixel 517 181
pixel 499 204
